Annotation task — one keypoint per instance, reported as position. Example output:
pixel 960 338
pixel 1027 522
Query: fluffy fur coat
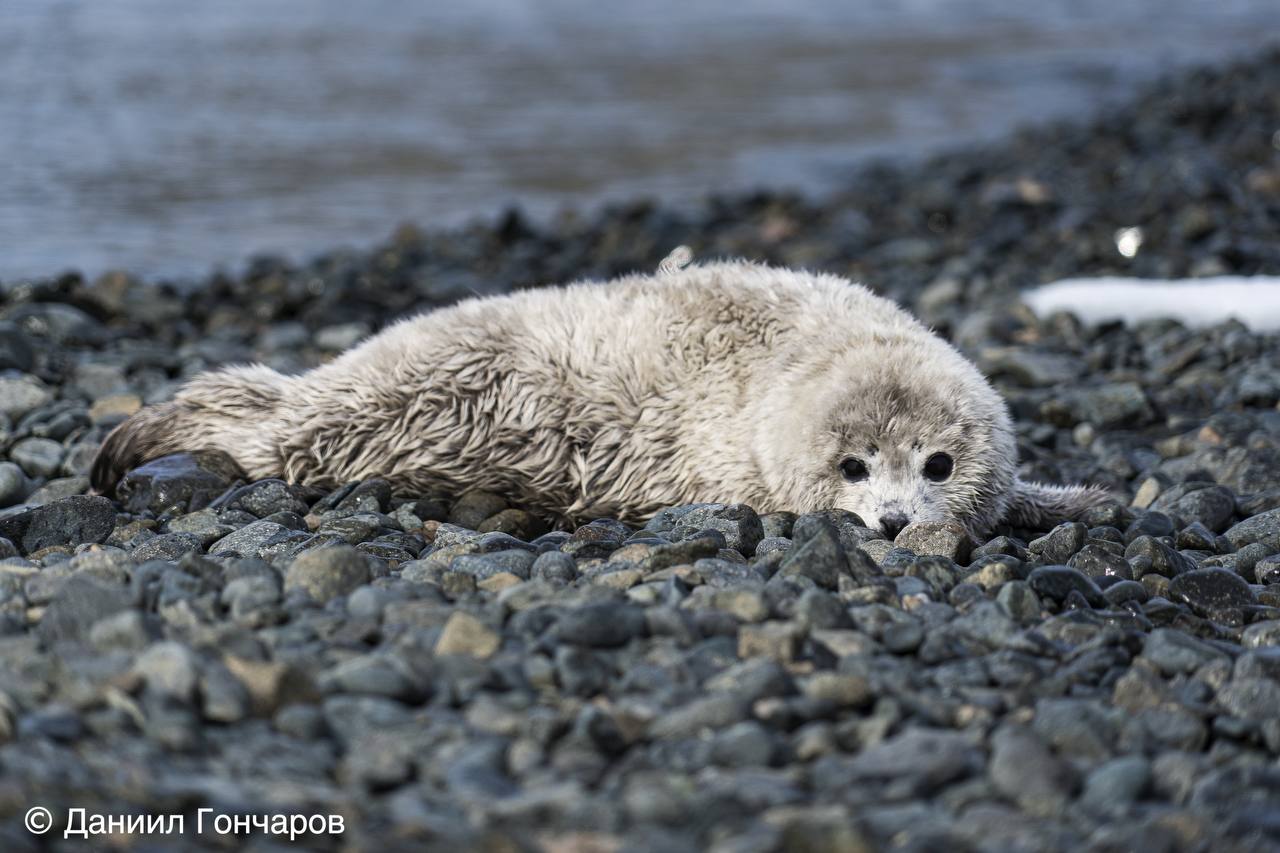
pixel 725 382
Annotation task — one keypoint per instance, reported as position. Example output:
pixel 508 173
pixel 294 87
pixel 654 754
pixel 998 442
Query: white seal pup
pixel 723 382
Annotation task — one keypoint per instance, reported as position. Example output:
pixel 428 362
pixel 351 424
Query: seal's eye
pixel 853 470
pixel 938 467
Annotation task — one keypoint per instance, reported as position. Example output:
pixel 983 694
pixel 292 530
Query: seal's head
pixel 908 430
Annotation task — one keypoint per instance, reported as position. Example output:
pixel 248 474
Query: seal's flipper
pixel 680 257
pixel 145 436
pixel 225 410
pixel 1041 506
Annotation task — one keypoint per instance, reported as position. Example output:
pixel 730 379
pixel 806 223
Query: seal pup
pixel 722 382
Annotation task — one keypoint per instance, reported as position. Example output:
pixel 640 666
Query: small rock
pixel 475 506
pixel 128 630
pixel 841 690
pixel 13 484
pixel 1024 770
pixel 464 634
pixel 943 538
pixel 601 625
pixel 326 573
pixel 1175 652
pixel 179 483
pixel 169 668
pixel 1117 785
pixel 1250 698
pixel 266 497
pixel 78 605
pixel 1266 524
pixel 1261 635
pixel 1057 582
pixel 169 546
pixel 1210 590
pixel 1121 405
pixel 1061 543
pixel 264 539
pixel 39 457
pixel 515 522
pixel 69 521
pixel 739 525
pixel 21 395
pixel 16 352
pixel 114 408
pixel 1019 600
pixel 554 566
pixel 1097 562
pixel 775 640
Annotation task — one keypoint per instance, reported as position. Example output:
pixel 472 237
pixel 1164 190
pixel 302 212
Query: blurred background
pixel 171 138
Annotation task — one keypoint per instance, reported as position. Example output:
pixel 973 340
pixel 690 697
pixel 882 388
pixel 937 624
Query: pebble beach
pixel 447 672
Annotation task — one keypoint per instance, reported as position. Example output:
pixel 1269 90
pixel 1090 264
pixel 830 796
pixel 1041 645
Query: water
pixel 168 138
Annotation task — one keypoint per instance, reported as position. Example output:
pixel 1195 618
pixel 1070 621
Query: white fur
pixel 727 382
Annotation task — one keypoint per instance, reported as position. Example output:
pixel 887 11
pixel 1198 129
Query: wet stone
pixel 170 546
pixel 266 497
pixel 1211 590
pixel 1126 591
pixel 1057 582
pixel 817 554
pixel 69 521
pixel 1211 506
pixel 265 539
pixel 777 525
pixel 739 525
pixel 1174 652
pixel 1061 543
pixel 1261 635
pixel 1116 785
pixel 1097 562
pixel 176 484
pixel 481 566
pixel 1263 525
pixel 1159 557
pixel 127 629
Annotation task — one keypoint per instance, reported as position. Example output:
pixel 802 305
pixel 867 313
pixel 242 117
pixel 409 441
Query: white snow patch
pixel 1253 300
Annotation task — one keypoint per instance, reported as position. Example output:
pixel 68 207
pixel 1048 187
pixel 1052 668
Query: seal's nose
pixel 892 524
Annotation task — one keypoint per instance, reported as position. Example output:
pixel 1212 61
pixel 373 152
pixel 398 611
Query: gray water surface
pixel 167 138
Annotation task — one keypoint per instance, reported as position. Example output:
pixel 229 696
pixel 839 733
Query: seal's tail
pixel 1041 506
pixel 229 410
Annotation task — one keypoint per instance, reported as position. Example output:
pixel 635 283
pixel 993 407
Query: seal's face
pixel 901 435
pixel 892 486
pixel 935 451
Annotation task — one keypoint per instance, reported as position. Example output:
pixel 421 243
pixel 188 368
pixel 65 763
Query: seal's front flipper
pixel 1041 506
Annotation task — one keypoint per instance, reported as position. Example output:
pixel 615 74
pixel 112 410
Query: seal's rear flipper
pixel 228 410
pixel 1041 506
pixel 145 436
